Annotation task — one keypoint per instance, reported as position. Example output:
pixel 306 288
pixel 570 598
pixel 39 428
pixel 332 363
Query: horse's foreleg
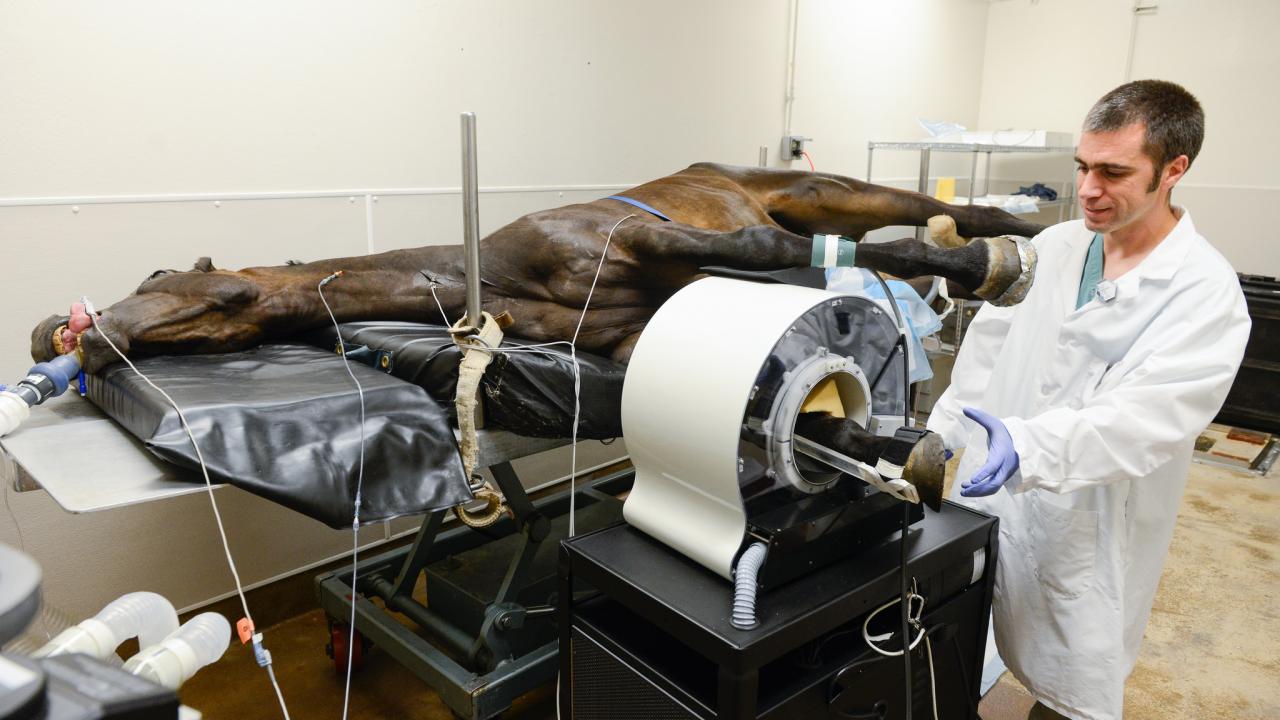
pixel 992 268
pixel 925 464
pixel 998 269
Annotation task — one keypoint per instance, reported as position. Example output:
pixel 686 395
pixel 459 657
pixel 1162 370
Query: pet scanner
pixel 709 406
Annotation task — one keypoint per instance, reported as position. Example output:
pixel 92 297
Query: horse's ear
pixel 204 264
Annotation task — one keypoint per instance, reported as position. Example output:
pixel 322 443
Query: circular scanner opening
pixel 843 395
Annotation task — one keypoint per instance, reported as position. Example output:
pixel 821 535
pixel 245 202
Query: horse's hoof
pixel 44 345
pixel 1011 268
pixel 926 470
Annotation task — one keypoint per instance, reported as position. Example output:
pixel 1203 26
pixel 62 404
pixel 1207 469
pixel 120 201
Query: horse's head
pixel 171 311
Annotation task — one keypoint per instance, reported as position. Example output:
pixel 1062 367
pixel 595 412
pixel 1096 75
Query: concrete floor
pixel 1212 648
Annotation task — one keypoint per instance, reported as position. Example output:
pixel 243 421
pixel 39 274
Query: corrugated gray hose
pixel 744 587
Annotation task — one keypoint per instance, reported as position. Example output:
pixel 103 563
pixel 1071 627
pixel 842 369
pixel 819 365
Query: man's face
pixel 1113 177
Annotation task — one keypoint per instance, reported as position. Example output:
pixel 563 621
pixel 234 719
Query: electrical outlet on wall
pixel 793 147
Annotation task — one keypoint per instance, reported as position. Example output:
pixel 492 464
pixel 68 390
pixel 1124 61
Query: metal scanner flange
pixel 850 329
pixel 798 384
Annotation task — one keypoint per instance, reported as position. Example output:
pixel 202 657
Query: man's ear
pixel 1174 171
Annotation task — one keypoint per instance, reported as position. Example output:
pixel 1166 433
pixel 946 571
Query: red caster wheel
pixel 339 635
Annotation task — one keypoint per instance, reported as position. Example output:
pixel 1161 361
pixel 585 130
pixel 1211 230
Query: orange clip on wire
pixel 244 626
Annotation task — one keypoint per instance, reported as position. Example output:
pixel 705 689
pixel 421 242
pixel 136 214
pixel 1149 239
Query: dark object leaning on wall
pixel 1252 400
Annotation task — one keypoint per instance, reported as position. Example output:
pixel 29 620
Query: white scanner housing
pixel 711 396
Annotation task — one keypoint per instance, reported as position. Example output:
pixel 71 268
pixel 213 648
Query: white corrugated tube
pixel 13 411
pixel 744 587
pixel 201 641
pixel 144 615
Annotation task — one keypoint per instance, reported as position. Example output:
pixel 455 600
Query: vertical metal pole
pixel 986 183
pixel 764 156
pixel 870 151
pixel 368 223
pixel 1069 189
pixel 973 175
pixel 471 217
pixel 922 185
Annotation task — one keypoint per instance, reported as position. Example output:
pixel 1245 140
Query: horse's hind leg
pixel 809 203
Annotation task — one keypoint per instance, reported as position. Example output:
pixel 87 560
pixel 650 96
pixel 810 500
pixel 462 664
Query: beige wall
pixel 1047 61
pixel 151 98
pixel 869 70
pixel 574 100
pixel 215 102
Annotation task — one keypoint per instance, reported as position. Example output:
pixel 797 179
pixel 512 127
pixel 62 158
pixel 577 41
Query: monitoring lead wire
pixel 204 471
pixel 355 518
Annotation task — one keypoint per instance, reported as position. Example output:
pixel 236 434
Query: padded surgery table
pixel 297 400
pixel 111 468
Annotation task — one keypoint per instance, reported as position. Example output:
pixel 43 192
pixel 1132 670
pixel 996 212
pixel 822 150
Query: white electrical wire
pixel 355 518
pixel 447 322
pixel 933 686
pixel 22 541
pixel 355 522
pixel 577 374
pixel 279 695
pixel 915 612
pixel 543 348
pixel 577 388
pixel 204 471
pixel 573 357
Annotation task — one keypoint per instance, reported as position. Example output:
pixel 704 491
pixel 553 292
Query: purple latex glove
pixel 1002 459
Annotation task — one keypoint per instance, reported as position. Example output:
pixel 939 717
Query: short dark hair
pixel 1173 117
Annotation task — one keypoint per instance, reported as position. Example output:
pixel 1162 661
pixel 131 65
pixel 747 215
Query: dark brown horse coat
pixel 539 268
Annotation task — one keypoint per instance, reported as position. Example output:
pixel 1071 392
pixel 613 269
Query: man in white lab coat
pixel 1086 400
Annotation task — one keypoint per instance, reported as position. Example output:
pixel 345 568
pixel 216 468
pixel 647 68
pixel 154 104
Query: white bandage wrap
pixel 888 470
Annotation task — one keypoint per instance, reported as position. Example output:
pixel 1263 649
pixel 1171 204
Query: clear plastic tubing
pixel 144 615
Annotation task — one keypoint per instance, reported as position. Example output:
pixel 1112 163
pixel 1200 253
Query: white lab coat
pixel 1104 405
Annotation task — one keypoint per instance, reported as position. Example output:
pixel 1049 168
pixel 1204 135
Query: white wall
pixel 574 100
pixel 149 97
pixel 1048 61
pixel 869 70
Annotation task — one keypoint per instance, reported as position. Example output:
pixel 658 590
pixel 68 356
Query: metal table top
pixel 86 461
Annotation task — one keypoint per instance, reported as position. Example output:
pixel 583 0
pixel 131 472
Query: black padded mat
pixel 282 421
pixel 527 393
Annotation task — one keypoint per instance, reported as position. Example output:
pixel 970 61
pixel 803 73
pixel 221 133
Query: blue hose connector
pixel 59 370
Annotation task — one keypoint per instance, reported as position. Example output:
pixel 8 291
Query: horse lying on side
pixel 540 269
